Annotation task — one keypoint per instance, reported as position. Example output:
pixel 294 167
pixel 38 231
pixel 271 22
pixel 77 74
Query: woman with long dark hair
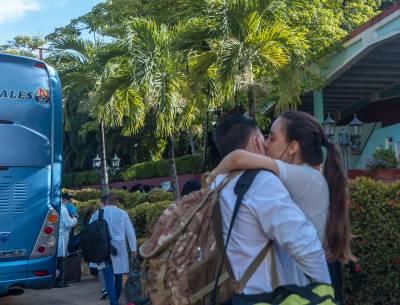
pixel 294 153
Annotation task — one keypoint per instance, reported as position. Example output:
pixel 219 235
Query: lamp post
pixel 97 162
pixel 344 144
pixel 115 161
pixel 345 140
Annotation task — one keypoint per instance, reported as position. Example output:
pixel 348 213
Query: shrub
pixel 375 214
pixel 152 169
pixel 152 215
pixel 130 200
pixel 91 177
pixel 84 194
pixel 382 158
pixel 85 211
pixel 159 195
pixel 145 215
pixel 189 164
pixel 68 180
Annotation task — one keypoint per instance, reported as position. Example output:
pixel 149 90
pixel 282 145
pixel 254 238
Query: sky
pixel 38 17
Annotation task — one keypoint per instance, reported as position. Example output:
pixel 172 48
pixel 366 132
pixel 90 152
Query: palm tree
pixel 154 64
pixel 250 48
pixel 80 70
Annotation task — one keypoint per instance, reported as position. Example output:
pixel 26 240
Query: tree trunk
pixel 205 145
pixel 104 173
pixel 252 101
pixel 191 140
pixel 174 173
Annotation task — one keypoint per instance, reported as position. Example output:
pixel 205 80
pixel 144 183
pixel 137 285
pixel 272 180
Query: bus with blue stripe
pixel 30 173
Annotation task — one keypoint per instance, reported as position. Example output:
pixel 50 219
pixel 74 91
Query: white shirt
pixel 121 229
pixel 66 224
pixel 267 212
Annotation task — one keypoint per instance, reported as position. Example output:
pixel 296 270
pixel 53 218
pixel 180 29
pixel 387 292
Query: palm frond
pixel 191 35
pixel 289 88
pixel 199 66
pixel 78 45
pixel 229 55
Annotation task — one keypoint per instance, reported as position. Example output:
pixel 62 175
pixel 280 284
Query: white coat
pixel 66 224
pixel 121 229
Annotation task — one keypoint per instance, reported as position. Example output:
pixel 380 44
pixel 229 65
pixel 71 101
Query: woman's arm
pixel 242 159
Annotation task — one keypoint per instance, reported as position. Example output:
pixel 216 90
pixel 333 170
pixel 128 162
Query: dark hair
pixel 305 129
pixel 190 186
pixel 66 196
pixel 110 198
pixel 234 133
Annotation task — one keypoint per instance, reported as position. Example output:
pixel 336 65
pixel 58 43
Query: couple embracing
pixel 300 202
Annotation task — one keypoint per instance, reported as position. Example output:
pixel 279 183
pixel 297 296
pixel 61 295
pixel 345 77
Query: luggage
pixel 133 287
pixel 72 268
pixel 185 251
pixel 74 241
pixel 95 241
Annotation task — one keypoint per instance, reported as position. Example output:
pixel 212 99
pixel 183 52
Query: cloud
pixel 12 10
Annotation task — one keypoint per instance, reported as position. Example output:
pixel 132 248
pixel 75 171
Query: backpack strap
pixel 241 187
pixel 101 217
pixel 256 263
pixel 219 239
pixel 274 272
pixel 101 214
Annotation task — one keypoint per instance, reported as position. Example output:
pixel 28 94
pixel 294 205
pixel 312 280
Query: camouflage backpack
pixel 184 253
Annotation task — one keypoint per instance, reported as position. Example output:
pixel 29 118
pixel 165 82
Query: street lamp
pixel 115 163
pixel 345 140
pixel 356 127
pixel 329 126
pixel 96 162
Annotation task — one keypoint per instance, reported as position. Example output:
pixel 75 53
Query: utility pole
pixel 40 52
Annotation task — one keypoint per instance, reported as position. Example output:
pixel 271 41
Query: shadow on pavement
pixel 85 292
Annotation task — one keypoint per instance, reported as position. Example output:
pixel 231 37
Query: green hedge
pixel 128 200
pixel 87 198
pixel 85 178
pixel 84 194
pixel 189 164
pixel 143 208
pixel 375 217
pixel 145 215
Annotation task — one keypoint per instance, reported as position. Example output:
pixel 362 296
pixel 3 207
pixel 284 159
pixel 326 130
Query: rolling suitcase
pixel 72 268
pixel 134 295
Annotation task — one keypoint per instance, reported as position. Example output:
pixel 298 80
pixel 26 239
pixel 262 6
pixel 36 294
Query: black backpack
pixel 95 241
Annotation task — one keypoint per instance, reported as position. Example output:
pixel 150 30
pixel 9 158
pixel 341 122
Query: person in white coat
pixel 67 221
pixel 121 229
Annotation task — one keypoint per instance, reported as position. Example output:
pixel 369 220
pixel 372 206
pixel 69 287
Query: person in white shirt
pixel 294 154
pixel 121 229
pixel 67 222
pixel 267 212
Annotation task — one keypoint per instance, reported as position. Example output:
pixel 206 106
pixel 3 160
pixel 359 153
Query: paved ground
pixel 85 292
